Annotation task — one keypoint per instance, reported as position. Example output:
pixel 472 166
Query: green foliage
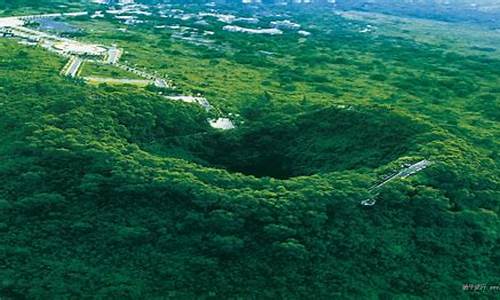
pixel 325 140
pixel 118 193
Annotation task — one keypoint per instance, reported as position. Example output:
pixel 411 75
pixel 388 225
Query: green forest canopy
pixel 117 193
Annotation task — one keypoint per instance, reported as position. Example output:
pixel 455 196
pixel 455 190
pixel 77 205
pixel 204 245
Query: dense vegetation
pixel 286 145
pixel 116 193
pixel 19 7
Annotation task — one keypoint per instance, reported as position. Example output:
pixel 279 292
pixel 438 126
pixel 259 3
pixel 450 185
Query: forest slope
pixel 116 192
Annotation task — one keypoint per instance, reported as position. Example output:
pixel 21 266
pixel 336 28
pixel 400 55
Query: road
pixel 74 65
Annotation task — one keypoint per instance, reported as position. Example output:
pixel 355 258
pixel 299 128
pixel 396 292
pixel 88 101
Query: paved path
pixel 73 70
pixel 158 81
pixel 139 82
pixel 72 67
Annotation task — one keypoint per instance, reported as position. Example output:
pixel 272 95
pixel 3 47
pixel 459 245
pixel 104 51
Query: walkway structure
pixel 403 173
pixel 203 102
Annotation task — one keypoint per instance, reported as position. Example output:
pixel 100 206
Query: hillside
pixel 115 191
